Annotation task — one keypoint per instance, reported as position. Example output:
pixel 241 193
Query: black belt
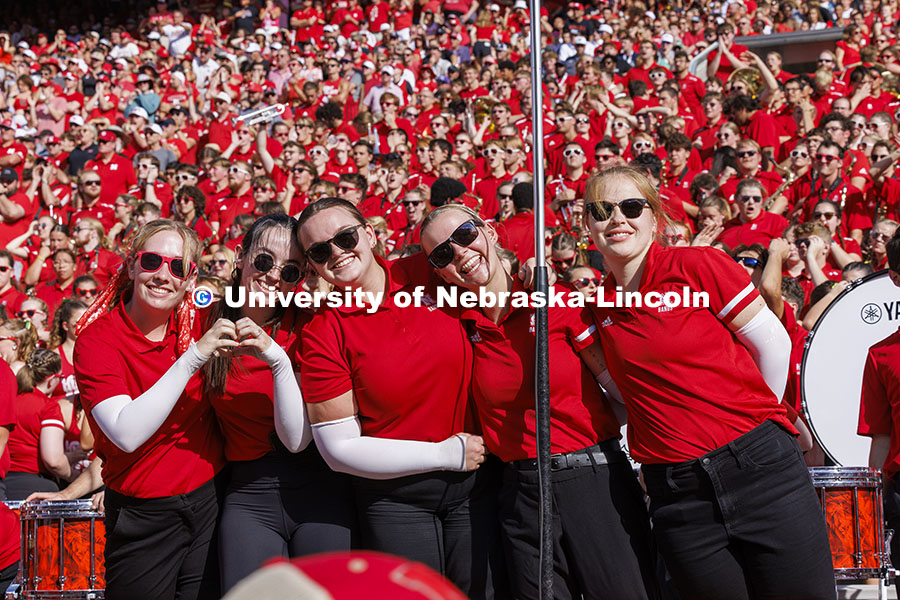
pixel 605 453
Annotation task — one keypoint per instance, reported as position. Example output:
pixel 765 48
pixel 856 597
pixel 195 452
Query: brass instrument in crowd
pixel 850 166
pixel 751 77
pixel 265 114
pixel 481 110
pixel 791 178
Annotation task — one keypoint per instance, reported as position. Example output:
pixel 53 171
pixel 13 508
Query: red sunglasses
pixel 151 262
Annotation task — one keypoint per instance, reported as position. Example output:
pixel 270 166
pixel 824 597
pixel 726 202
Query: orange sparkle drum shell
pixel 851 500
pixel 64 543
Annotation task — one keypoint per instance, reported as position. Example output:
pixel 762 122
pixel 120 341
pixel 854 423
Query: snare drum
pixel 852 502
pixel 64 543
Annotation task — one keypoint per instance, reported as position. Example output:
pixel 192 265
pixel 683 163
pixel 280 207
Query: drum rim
pixel 66 509
pixel 806 346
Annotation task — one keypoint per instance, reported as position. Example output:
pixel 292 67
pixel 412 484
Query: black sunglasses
pixel 346 239
pixel 266 262
pixel 630 207
pixel 462 236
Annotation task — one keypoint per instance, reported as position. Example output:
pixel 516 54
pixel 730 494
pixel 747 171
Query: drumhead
pixel 831 374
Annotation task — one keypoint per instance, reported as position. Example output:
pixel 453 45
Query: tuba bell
pixel 481 110
pixel 750 77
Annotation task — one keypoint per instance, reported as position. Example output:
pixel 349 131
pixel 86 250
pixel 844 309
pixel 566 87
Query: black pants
pixel 3 490
pixel 445 520
pixel 601 532
pixel 7 576
pixel 283 505
pixel 162 548
pixel 21 485
pixel 742 522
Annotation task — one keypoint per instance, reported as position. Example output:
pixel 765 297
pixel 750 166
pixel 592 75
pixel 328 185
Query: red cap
pixel 106 136
pixel 7 124
pixel 254 87
pixel 51 139
pixel 353 575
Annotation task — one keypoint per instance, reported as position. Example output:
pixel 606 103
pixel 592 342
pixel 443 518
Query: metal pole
pixel 542 355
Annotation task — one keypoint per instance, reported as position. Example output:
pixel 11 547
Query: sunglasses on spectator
pixel 604 157
pixel 91 182
pixel 748 261
pixel 151 262
pixel 826 60
pixel 462 236
pixel 820 215
pixel 631 208
pixel 346 239
pixel 586 281
pixel 879 236
pixel 409 203
pixel 299 170
pixel 183 177
pixel 674 238
pixel 563 118
pixel 560 264
pixel 799 154
pixel 643 145
pixel 803 242
pixel 749 198
pixel 877 157
pixel 745 153
pixel 492 151
pixel 573 151
pixel 238 170
pixel 29 313
pixel 582 120
pixel 826 158
pixel 500 196
pixel 84 292
pixel 620 125
pixel 264 263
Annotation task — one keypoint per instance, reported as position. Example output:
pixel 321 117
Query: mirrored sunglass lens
pixel 151 262
pixel 347 239
pixel 465 234
pixel 319 253
pixel 263 263
pixel 441 256
pixel 290 274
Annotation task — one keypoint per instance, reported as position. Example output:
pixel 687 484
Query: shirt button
pixel 705 461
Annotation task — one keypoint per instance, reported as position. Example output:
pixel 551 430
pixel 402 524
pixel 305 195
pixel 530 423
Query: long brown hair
pixel 217 368
pixel 26 337
pixel 58 334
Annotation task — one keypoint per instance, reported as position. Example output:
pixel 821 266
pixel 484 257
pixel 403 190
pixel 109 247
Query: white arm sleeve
pixel 344 448
pixel 769 344
pixel 291 423
pixel 129 423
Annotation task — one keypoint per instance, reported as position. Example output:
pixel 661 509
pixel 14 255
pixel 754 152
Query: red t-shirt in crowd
pixel 504 358
pixel 689 386
pixel 8 389
pixel 114 358
pixel 409 368
pixel 117 176
pixel 762 230
pixel 34 411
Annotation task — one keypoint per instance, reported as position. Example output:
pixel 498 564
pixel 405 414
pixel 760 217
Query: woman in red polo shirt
pixel 282 499
pixel 36 445
pixel 596 495
pixel 135 365
pixel 387 389
pixel 732 504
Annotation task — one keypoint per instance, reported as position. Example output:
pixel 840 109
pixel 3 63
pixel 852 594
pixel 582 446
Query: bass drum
pixel 831 373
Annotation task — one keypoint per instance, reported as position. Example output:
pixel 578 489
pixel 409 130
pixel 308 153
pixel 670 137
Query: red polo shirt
pixel 11 300
pixel 16 149
pixel 504 367
pixel 112 358
pixel 409 368
pixel 34 411
pixel 8 389
pixel 245 411
pixel 10 537
pixel 117 176
pixel 879 407
pixel 689 386
pixel 53 294
pixel 102 211
pixel 227 209
pixel 10 230
pixel 762 230
pixel 100 263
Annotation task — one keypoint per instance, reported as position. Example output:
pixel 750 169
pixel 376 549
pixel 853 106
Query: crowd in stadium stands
pixel 399 107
